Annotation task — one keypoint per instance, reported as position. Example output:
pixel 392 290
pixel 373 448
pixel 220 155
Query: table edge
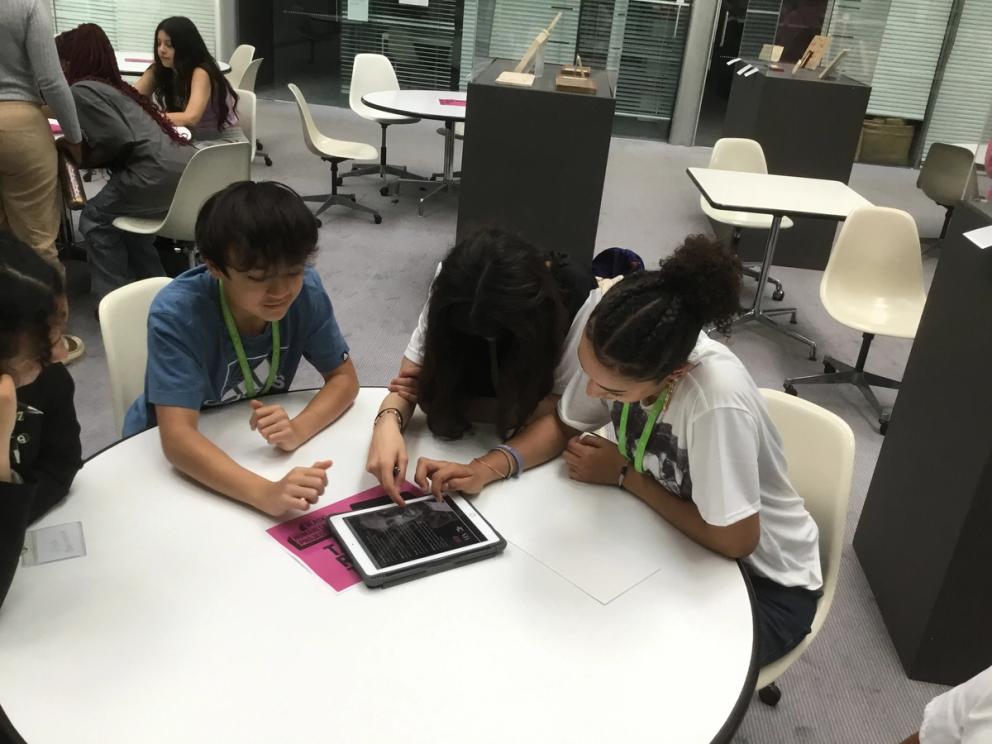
pixel 401 112
pixel 723 736
pixel 789 213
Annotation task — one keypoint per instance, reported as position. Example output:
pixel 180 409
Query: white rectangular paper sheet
pixel 421 3
pixel 358 10
pixel 982 237
pixel 56 543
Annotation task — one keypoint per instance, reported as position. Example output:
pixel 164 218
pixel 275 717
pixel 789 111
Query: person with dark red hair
pixel 125 133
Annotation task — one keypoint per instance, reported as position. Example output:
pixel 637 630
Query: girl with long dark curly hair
pixel 493 344
pixel 186 83
pixel 695 441
pixel 125 133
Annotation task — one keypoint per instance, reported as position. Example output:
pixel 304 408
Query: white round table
pixel 134 64
pixel 186 622
pixel 425 104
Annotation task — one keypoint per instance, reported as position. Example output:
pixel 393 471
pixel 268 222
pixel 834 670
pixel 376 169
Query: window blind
pixel 130 25
pixel 515 23
pixel 760 26
pixel 419 41
pixel 962 105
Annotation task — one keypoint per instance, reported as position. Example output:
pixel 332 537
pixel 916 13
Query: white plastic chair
pixel 371 73
pixel 209 170
pixel 746 155
pixel 873 283
pixel 819 450
pixel 239 61
pixel 334 152
pixel 247 113
pixel 248 84
pixel 124 326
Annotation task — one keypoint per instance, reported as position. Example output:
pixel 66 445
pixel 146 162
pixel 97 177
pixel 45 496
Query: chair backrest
pixel 251 74
pixel 948 174
pixel 124 327
pixel 247 117
pixel 876 257
pixel 209 170
pixel 370 73
pixel 819 450
pixel 310 131
pixel 737 154
pixel 239 62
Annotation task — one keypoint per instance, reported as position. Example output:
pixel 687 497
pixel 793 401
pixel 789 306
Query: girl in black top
pixel 37 416
pixel 490 346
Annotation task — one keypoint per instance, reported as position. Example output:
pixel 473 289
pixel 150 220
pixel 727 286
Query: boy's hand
pixel 275 426
pixel 8 418
pixel 300 488
pixel 592 459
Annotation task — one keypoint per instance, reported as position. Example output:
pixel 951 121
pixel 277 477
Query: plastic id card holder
pixel 57 543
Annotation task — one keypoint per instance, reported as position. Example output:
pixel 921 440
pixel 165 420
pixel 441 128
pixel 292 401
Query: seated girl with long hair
pixel 696 443
pixel 124 132
pixel 41 451
pixel 186 83
pixel 494 343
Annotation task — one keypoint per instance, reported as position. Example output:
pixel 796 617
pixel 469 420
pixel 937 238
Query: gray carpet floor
pixel 849 686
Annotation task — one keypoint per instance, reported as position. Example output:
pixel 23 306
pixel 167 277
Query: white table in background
pixel 186 622
pixel 779 196
pixel 134 64
pixel 425 104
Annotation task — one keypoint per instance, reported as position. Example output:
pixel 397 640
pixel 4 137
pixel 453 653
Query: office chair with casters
pixel 873 283
pixel 948 176
pixel 123 318
pixel 731 153
pixel 210 170
pixel 248 83
pixel 371 73
pixel 240 58
pixel 334 152
pixel 819 450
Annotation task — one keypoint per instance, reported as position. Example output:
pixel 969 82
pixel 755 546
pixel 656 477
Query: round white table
pixel 134 64
pixel 425 104
pixel 186 622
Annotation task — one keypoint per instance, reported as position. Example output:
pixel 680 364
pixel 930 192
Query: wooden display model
pixel 814 54
pixel 519 76
pixel 575 78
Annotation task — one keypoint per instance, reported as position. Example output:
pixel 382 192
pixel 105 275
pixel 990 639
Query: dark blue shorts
pixel 785 614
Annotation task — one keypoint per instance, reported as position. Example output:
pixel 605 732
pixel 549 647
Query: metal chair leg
pixel 342 200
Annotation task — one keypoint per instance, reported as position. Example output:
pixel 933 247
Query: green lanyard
pixel 232 331
pixel 656 410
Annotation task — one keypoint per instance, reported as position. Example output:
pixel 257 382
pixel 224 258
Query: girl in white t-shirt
pixel 695 440
pixel 495 343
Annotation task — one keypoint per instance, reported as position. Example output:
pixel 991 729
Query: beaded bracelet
pixel 399 416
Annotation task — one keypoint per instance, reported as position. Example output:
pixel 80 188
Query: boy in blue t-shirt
pixel 236 328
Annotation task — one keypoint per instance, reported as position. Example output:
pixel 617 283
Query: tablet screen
pixel 407 533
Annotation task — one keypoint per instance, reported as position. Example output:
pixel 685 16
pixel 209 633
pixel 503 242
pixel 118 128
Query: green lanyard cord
pixel 656 410
pixel 239 349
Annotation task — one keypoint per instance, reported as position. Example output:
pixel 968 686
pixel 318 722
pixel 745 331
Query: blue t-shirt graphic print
pixel 192 362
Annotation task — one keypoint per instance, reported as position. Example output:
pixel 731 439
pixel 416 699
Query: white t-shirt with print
pixel 962 715
pixel 716 445
pixel 568 363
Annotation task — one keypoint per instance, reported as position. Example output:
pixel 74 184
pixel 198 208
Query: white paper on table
pixel 358 10
pixel 982 237
pixel 420 3
pixel 56 543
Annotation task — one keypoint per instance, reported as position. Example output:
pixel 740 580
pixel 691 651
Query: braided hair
pixel 86 54
pixel 646 326
pixel 496 310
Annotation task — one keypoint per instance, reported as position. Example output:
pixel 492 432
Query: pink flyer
pixel 452 101
pixel 309 539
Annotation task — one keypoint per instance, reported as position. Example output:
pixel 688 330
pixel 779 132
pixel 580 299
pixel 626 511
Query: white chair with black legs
pixel 210 170
pixel 123 316
pixel 248 83
pixel 819 451
pixel 247 115
pixel 873 283
pixel 735 154
pixel 239 61
pixel 371 73
pixel 332 151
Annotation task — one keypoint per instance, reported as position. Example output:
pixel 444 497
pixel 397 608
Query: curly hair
pixel 496 311
pixel 86 54
pixel 172 86
pixel 29 290
pixel 646 326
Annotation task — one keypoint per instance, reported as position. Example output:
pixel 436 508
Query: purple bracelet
pixel 517 458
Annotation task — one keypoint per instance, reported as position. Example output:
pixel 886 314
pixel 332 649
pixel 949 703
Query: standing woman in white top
pixel 30 77
pixel 696 443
